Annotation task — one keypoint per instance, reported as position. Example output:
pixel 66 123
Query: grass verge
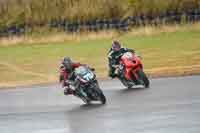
pixel 166 51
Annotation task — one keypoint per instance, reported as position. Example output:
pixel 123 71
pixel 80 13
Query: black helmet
pixel 116 46
pixel 67 62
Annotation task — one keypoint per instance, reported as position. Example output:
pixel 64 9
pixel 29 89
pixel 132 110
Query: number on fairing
pixel 88 76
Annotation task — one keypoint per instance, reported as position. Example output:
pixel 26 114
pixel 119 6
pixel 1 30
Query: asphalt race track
pixel 170 105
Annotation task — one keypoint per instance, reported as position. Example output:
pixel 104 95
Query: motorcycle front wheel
pixel 101 96
pixel 142 76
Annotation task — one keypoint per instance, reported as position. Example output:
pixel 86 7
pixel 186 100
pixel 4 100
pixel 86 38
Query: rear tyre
pixel 144 78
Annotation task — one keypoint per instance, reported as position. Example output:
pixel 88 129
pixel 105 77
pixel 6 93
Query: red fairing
pixel 131 66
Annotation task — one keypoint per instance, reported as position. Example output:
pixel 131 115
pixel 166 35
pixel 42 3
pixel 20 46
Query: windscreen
pixel 84 73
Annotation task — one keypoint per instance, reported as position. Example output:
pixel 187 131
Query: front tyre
pixel 102 98
pixel 86 101
pixel 100 95
pixel 143 78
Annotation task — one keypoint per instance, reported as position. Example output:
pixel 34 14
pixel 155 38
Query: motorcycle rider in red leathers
pixel 67 68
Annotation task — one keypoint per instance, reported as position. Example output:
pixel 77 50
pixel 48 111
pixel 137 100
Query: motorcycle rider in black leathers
pixel 114 55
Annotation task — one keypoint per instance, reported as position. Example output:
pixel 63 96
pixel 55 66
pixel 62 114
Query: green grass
pixel 39 62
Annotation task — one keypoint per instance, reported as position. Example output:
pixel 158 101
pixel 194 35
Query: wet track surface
pixel 170 105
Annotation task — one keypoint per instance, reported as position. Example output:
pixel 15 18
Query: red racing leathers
pixel 67 74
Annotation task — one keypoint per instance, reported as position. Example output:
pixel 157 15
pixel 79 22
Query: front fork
pixel 135 76
pixel 82 95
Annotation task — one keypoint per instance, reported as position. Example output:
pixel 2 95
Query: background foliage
pixel 41 12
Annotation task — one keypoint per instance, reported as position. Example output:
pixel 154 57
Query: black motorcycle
pixel 86 85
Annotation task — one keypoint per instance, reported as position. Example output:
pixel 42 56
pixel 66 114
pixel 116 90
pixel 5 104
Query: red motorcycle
pixel 130 71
